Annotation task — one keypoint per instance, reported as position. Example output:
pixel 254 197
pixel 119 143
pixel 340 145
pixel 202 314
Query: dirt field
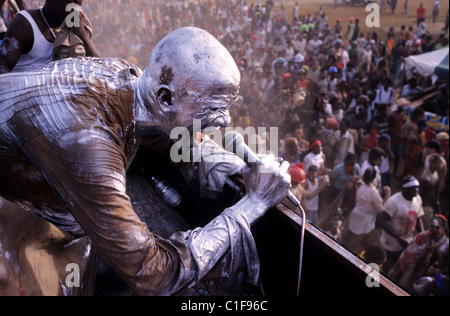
pixel 386 18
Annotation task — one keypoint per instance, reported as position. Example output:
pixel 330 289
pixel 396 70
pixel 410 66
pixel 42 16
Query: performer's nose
pixel 223 119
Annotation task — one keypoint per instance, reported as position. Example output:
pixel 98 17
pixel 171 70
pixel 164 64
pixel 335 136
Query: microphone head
pixel 230 140
pixel 234 142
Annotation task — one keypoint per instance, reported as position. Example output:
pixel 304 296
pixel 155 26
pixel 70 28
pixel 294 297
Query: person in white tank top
pixel 310 200
pixel 28 43
pixel 40 54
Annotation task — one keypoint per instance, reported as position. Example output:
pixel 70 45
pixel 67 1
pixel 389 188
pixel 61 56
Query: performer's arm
pixel 89 174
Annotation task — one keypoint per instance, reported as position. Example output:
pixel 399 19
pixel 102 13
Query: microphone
pixel 234 142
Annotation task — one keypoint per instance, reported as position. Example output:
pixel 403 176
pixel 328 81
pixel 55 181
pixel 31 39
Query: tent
pixel 434 63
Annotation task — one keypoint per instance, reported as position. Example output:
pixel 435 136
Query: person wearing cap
pixel 315 157
pixel 399 220
pixel 350 29
pixel 298 177
pixel 334 80
pixel 415 260
pixel 278 66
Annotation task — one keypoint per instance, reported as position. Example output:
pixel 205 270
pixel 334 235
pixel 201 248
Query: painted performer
pixel 68 132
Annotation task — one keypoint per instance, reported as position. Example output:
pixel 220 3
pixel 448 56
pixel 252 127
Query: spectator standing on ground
pixel 313 186
pixel 369 204
pixel 384 142
pixel 374 161
pixel 292 154
pixel 395 123
pixel 344 172
pixel 420 14
pixel 400 220
pixel 315 157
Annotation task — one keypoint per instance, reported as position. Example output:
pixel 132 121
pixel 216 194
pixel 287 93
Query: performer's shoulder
pixel 108 66
pixel 119 65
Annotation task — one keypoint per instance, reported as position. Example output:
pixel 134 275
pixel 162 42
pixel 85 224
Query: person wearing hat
pixel 315 157
pixel 350 29
pixel 297 178
pixel 401 216
pixel 278 66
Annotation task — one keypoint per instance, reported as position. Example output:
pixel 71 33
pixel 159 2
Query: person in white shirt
pixel 313 186
pixel 383 95
pixel 376 155
pixel 369 204
pixel 346 142
pixel 315 157
pixel 400 220
pixel 314 44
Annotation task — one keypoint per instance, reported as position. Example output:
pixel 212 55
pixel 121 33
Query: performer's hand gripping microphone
pixel 234 142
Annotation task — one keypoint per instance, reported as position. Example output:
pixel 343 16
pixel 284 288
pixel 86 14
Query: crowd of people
pixel 343 110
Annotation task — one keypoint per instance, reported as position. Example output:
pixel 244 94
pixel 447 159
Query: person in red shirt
pixel 395 123
pixel 420 14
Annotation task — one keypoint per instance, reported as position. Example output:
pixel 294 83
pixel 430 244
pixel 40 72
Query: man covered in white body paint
pixel 67 134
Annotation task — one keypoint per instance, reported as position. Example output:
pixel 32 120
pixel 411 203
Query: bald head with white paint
pixel 191 75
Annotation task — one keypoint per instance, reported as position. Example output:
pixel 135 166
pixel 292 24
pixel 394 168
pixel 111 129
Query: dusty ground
pixel 386 18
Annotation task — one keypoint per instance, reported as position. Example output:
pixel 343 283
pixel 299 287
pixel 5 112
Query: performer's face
pixel 196 79
pixel 210 104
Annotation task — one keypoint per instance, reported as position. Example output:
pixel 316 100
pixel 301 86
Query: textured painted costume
pixel 69 131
